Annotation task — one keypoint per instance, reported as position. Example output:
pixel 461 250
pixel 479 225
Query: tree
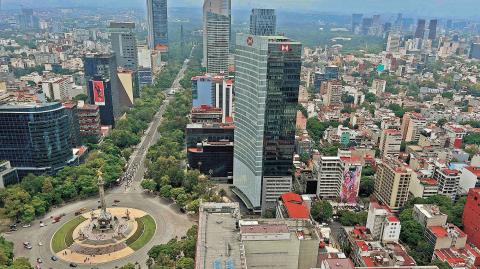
pixel 370 97
pixel 128 266
pixel 28 213
pixel 322 211
pixel 350 218
pixel 366 186
pixel 81 97
pixel 185 263
pixel 441 122
pixel 472 139
pixel 21 263
pixel 149 184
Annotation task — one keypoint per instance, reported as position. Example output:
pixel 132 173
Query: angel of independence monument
pixel 104 220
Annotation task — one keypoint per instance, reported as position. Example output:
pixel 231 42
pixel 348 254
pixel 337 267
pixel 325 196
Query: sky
pixel 433 8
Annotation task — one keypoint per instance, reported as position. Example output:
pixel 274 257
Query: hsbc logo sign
pixel 250 41
pixel 285 47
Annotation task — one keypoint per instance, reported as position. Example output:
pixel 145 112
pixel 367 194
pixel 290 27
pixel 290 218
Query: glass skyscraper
pixel 35 138
pixel 157 19
pixel 267 85
pixel 216 35
pixel 263 22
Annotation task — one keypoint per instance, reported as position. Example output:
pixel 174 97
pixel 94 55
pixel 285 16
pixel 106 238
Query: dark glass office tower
pixel 35 138
pixel 420 31
pixel 157 19
pixel 432 29
pixel 103 68
pixel 263 22
pixel 267 85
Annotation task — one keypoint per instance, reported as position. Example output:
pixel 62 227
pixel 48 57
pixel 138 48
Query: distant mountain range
pixel 429 8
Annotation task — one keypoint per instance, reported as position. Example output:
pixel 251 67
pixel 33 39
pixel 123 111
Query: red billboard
pixel 99 93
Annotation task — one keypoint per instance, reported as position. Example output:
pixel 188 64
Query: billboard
pixel 99 93
pixel 350 184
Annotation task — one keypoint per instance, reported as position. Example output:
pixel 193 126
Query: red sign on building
pixel 250 41
pixel 285 48
pixel 99 93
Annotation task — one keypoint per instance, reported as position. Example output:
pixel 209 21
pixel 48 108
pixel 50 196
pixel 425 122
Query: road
pixel 170 221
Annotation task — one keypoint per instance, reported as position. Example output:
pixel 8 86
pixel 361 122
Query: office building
pixel 429 215
pixel 390 143
pixel 71 110
pixel 446 236
pixel 26 20
pixel 393 42
pixel 367 23
pixel 448 181
pixel 89 121
pixel 392 183
pixel 212 158
pixel 197 133
pixel 202 91
pixel 356 22
pixel 157 22
pixel 432 29
pixel 8 175
pixel 338 178
pixel 378 86
pixel 206 114
pixel 35 138
pixel 423 187
pixel 103 86
pixel 332 72
pixel 475 51
pixel 58 88
pixel 471 211
pixel 267 87
pixel 124 44
pixel 334 93
pixel 253 243
pixel 382 223
pixel 412 125
pixel 128 80
pixel 469 178
pixel 217 20
pixel 420 31
pixel 263 22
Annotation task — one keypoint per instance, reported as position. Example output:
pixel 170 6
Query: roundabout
pixel 89 239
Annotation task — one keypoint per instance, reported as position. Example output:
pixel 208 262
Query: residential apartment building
pixel 392 183
pixel 390 143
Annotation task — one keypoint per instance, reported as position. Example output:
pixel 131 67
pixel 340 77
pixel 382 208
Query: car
pixel 116 201
pixel 43 224
pixel 40 243
pixel 39 260
pixel 27 225
pixel 54 258
pixel 72 264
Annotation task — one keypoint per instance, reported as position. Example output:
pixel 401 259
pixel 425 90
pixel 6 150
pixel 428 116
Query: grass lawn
pixel 145 232
pixel 63 238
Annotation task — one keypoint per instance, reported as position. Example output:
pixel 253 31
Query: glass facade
pixel 157 23
pixel 35 137
pixel 263 22
pixel 267 85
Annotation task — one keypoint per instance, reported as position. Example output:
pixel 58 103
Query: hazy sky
pixel 460 8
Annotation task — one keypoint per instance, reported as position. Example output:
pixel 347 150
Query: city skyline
pixel 433 8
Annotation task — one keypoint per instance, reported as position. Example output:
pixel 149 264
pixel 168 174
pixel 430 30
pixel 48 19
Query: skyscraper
pixel 35 138
pixel 267 85
pixel 263 22
pixel 356 22
pixel 26 20
pixel 124 44
pixel 420 31
pixel 392 182
pixel 432 29
pixel 103 86
pixel 216 35
pixel 474 51
pixel 157 19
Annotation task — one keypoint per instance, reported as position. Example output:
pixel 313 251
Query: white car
pixel 27 226
pixel 43 224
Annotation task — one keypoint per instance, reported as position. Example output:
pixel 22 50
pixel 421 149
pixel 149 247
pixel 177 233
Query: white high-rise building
pixel 217 19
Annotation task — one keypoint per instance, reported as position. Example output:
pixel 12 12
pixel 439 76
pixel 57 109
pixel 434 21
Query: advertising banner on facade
pixel 99 93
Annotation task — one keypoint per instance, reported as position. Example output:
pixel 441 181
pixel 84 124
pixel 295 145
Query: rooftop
pixel 264 228
pixel 294 205
pixel 474 170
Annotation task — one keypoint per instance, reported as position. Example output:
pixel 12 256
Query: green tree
pixel 322 211
pixel 149 184
pixel 366 186
pixel 21 263
pixel 28 213
pixel 185 263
